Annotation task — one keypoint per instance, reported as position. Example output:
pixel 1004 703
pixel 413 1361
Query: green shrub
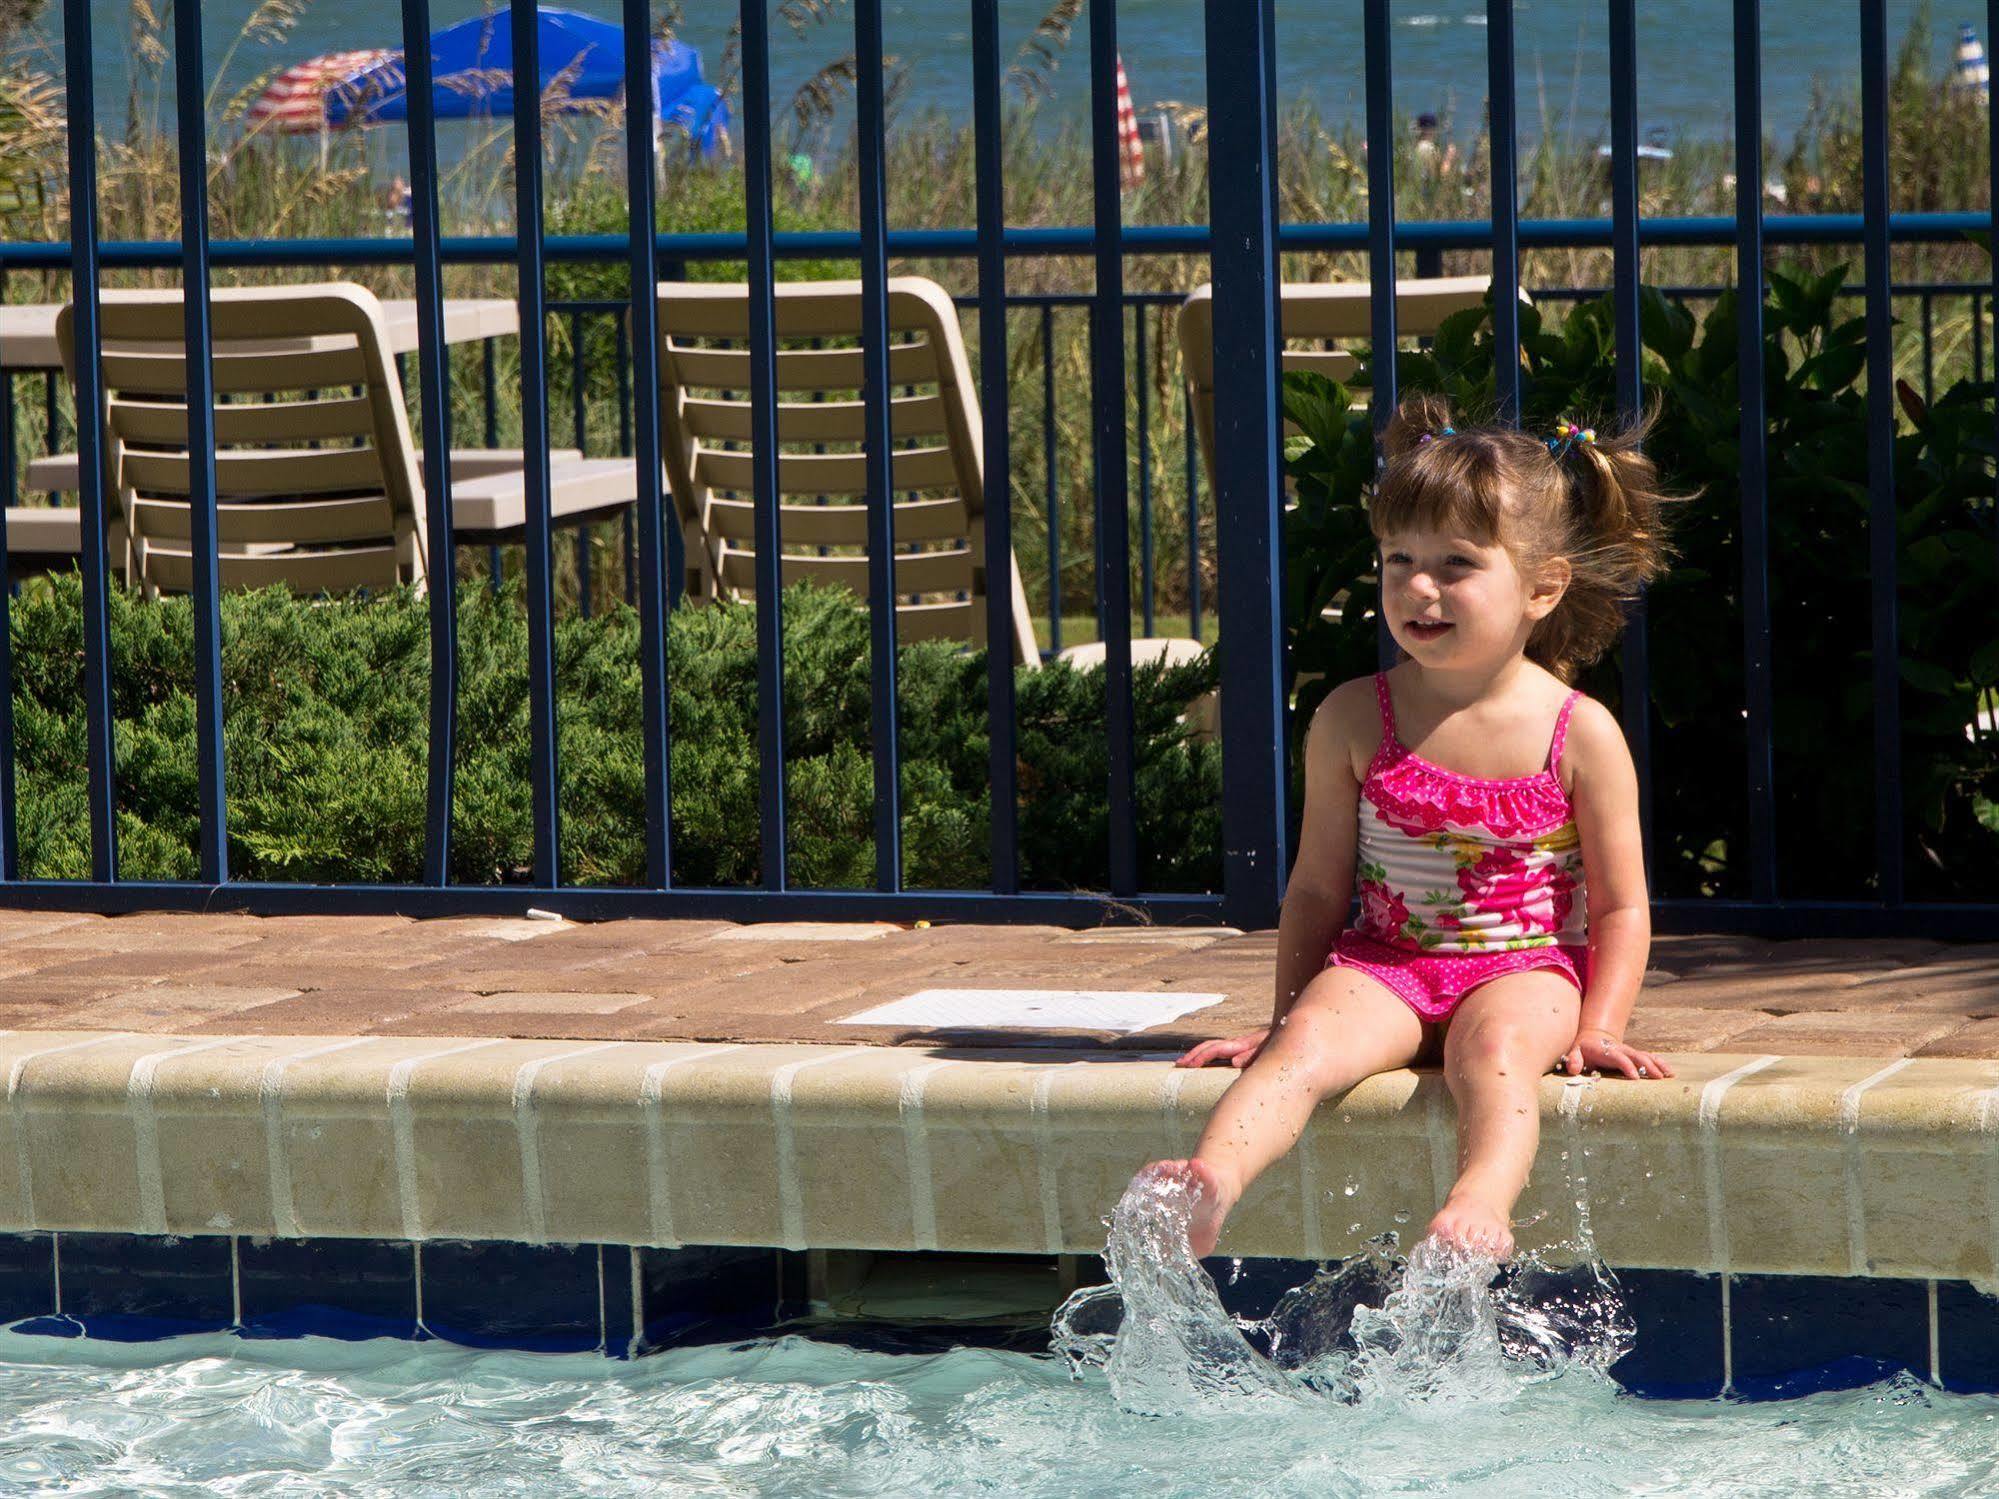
pixel 326 709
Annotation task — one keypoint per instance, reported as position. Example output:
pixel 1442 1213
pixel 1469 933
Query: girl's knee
pixel 1498 1049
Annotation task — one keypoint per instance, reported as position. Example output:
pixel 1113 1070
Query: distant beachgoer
pixel 1485 815
pixel 396 198
pixel 1432 157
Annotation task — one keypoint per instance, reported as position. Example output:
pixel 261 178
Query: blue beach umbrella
pixel 473 63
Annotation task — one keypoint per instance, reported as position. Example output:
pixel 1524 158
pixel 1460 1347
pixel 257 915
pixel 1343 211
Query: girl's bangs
pixel 1450 492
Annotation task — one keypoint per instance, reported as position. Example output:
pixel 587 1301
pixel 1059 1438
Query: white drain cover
pixel 1123 1010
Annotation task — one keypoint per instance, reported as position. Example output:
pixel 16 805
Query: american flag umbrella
pixel 295 101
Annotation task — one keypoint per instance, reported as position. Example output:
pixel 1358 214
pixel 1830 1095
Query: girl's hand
pixel 1599 1051
pixel 1237 1051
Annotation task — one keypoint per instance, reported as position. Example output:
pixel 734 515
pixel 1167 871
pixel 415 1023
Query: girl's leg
pixel 1502 1040
pixel 1344 1027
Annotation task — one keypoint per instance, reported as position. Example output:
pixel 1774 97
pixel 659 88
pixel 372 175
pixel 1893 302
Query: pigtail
pixel 1616 544
pixel 1416 417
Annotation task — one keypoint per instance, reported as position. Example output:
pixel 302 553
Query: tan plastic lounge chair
pixel 941 573
pixel 318 481
pixel 1314 313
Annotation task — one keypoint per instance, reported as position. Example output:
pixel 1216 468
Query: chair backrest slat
pixel 813 421
pixel 841 525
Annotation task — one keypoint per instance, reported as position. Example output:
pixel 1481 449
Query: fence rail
pixel 1243 242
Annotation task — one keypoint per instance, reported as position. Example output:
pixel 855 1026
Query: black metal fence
pixel 1242 241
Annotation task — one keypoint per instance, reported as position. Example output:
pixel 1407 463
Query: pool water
pixel 795 1416
pixel 1386 1374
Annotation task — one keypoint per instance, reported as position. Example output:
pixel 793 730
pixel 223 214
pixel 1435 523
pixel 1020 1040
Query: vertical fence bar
pixel 628 533
pixel 1381 246
pixel 763 438
pixel 540 542
pixel 1144 470
pixel 93 479
pixel 1248 485
pixel 880 441
pixel 10 863
pixel 579 420
pixel 1381 207
pixel 1113 510
pixel 1882 538
pixel 1193 461
pixel 1636 659
pixel 490 399
pixel 1978 330
pixel 1500 87
pixel 1977 302
pixel 1756 674
pixel 205 562
pixel 996 474
pixel 1929 348
pixel 644 443
pixel 440 563
pixel 1053 494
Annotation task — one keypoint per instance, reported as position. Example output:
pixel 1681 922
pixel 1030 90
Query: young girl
pixel 1485 814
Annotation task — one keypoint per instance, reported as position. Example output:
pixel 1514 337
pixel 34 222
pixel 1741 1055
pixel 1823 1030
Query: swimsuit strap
pixel 1561 731
pixel 1387 706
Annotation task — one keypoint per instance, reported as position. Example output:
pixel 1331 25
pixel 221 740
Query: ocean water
pixel 1684 85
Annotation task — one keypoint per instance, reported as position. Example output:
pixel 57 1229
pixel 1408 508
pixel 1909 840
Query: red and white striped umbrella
pixel 296 98
pixel 1131 150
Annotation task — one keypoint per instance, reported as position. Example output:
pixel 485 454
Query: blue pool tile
pixel 133 1287
pixel 1796 1334
pixel 27 1276
pixel 329 1288
pixel 543 1297
pixel 710 1294
pixel 1677 1353
pixel 1967 1338
pixel 622 1332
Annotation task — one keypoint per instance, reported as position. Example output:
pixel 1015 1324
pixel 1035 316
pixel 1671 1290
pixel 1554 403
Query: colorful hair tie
pixel 1433 436
pixel 1567 435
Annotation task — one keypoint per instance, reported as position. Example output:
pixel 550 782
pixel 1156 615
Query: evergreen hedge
pixel 326 710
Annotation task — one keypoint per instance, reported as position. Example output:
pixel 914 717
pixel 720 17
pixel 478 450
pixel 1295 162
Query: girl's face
pixel 1456 604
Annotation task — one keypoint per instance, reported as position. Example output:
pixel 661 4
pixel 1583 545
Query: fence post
pixel 1243 216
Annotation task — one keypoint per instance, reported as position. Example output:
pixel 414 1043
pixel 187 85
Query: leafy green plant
pixel 1820 626
pixel 326 706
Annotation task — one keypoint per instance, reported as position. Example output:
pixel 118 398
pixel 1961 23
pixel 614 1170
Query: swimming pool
pixel 803 1416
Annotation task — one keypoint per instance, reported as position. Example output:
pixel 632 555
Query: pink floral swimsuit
pixel 1460 879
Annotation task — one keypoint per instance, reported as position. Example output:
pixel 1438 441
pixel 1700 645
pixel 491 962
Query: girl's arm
pixel 1321 885
pixel 1604 791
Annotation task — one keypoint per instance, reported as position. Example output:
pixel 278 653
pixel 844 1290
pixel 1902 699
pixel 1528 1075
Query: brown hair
pixel 1595 503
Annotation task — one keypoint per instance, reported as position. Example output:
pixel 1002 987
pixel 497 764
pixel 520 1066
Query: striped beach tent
pixel 295 100
pixel 1131 150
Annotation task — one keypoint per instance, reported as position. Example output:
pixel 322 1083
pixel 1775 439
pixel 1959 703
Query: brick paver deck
pixel 707 980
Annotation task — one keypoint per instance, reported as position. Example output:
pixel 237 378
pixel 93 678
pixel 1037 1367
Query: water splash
pixel 1440 1328
pixel 1174 1347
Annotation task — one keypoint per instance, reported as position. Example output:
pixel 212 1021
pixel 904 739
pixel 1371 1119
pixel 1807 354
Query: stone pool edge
pixel 1743 1163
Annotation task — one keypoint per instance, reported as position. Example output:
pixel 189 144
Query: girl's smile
pixel 1448 592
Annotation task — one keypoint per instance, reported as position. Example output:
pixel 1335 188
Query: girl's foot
pixel 1475 1225
pixel 1211 1193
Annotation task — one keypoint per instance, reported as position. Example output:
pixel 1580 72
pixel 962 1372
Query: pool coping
pixel 1757 1163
